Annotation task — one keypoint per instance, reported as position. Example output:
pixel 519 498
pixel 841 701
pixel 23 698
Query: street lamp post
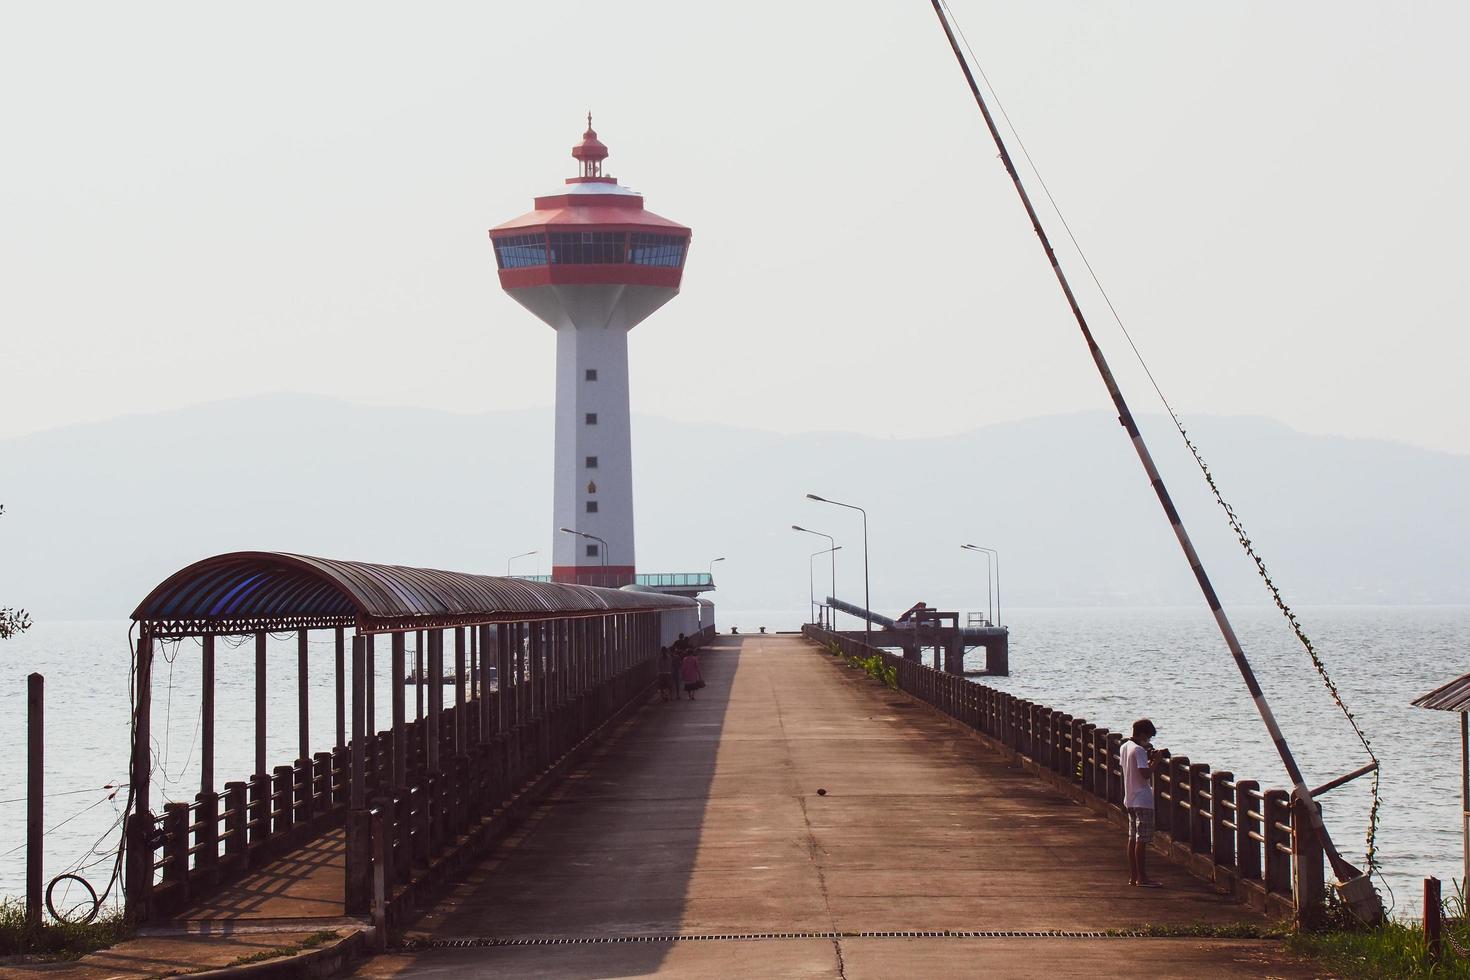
pixel 811 589
pixel 602 551
pixel 990 553
pixel 524 554
pixel 712 569
pixel 832 549
pixel 867 595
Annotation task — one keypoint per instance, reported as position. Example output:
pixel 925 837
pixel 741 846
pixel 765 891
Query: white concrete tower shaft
pixel 592 263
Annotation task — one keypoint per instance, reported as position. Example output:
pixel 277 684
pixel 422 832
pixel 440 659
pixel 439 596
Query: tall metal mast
pixel 1358 890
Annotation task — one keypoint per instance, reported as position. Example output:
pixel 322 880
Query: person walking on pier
pixel 689 671
pixel 1140 760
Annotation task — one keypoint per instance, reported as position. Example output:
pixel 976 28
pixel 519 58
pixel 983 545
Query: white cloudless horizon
pixel 200 204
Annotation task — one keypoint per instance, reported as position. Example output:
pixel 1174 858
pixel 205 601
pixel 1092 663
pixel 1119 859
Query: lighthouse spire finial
pixel 590 152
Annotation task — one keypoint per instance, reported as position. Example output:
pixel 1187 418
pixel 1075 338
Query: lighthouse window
pixel 591 418
pixel 662 250
pixel 592 462
pixel 519 251
pixel 588 247
pixel 592 551
pixel 591 374
pixel 591 506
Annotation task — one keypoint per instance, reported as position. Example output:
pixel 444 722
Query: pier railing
pixel 462 767
pixel 1256 844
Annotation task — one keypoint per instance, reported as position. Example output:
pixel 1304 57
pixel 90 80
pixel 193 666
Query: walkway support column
pixel 358 797
pixel 461 722
pixel 303 712
pixel 400 748
pixel 436 696
pixel 140 821
pixel 206 719
pixel 341 689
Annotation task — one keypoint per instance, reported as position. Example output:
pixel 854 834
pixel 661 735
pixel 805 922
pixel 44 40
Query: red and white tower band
pixel 592 264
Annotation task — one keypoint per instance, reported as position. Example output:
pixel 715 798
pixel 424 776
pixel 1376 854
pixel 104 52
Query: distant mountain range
pixel 97 514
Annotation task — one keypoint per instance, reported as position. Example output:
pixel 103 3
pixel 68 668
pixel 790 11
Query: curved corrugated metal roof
pixel 260 587
pixel 1454 696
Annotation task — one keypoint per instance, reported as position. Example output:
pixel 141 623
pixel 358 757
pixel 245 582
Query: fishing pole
pixel 1354 887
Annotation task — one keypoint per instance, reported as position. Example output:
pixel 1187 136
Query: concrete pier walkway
pixel 796 803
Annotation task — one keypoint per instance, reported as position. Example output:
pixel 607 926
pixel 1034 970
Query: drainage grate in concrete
pixel 427 942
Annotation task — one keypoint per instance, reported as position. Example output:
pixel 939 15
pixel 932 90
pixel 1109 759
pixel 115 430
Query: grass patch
pixel 1208 930
pixel 57 940
pixel 1394 949
pixel 312 941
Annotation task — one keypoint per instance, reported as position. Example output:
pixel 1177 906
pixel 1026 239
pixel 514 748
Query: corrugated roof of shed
pixel 301 590
pixel 1454 696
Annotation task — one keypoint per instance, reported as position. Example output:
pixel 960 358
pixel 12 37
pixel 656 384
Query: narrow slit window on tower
pixel 592 462
pixel 591 418
pixel 591 506
pixel 592 551
pixel 591 374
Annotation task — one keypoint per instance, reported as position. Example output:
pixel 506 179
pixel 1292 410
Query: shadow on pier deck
pixel 801 820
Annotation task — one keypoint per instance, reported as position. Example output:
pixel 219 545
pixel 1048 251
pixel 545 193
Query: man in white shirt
pixel 1139 761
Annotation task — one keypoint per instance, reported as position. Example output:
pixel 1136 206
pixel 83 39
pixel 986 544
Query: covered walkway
pixel 531 670
pixel 799 820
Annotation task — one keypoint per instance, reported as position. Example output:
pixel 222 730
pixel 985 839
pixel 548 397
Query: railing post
pixel 281 791
pixel 207 805
pixel 1222 835
pixel 1088 757
pixel 1199 816
pixel 237 815
pixel 1275 813
pixel 1247 848
pixel 1309 891
pixel 1177 823
pixel 1115 772
pixel 176 849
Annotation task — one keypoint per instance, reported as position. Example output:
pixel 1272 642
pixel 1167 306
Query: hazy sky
pixel 202 202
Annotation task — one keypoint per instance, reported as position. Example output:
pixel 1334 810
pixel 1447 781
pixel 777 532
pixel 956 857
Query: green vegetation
pixel 310 942
pixel 1394 949
pixel 876 669
pixel 1207 930
pixel 57 940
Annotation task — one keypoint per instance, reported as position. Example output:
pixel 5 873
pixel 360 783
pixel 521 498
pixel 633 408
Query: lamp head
pixel 812 496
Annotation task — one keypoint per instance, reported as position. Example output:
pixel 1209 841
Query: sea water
pixel 1108 665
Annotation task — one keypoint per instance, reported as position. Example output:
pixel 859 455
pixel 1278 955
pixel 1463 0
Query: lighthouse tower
pixel 592 264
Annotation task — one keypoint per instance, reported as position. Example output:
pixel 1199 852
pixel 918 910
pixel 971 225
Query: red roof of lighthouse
pixel 592 199
pixel 595 231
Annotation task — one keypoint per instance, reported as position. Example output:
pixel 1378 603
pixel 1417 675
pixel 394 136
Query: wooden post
pixel 358 798
pixel 206 720
pixel 35 792
pixel 418 667
pixel 484 704
pixel 369 698
pixel 400 734
pixel 1465 795
pixel 435 680
pixel 460 721
pixel 1222 841
pixel 1247 850
pixel 143 729
pixel 1309 891
pixel 260 689
pixel 1432 919
pixel 303 713
pixel 341 689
